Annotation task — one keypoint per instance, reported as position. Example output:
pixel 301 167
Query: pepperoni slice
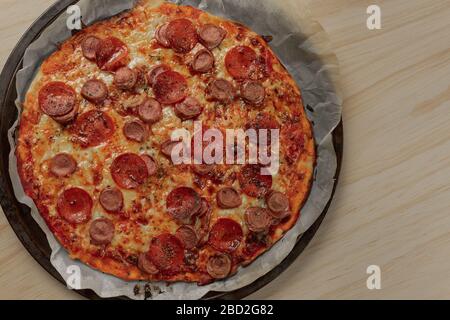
pixel 183 203
pixel 293 142
pixel 203 61
pixel 170 87
pixel 62 165
pixel 219 266
pixel 135 130
pixel 101 231
pixel 152 167
pixel 57 99
pixel 258 219
pixel 228 198
pixel 112 54
pixel 129 171
pixel 253 183
pixel 166 253
pixel 187 236
pixel 150 111
pixel 89 47
pixel 211 36
pixel 226 235
pixel 111 199
pixel 253 92
pixel 189 109
pixel 263 121
pixel 278 204
pixel 75 206
pixel 146 265
pixel 125 78
pixel 241 62
pixel 154 72
pixel 182 35
pixel 95 91
pixel 221 90
pixel 161 35
pixel 93 128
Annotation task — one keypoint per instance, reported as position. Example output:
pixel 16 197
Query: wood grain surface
pixel 392 207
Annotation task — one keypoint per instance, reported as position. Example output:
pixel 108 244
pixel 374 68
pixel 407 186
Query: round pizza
pixel 96 145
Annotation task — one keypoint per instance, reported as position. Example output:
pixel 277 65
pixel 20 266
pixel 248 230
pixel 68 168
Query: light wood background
pixel 392 207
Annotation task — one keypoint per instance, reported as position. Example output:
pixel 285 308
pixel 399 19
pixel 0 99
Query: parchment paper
pixel 302 46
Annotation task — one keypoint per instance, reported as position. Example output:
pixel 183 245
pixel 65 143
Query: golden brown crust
pixel 144 215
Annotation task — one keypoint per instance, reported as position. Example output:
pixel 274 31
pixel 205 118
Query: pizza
pixel 95 145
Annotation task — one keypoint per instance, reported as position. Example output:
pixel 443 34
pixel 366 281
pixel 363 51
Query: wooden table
pixel 392 207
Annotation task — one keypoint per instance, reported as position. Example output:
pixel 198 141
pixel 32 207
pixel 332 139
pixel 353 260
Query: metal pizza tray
pixel 18 215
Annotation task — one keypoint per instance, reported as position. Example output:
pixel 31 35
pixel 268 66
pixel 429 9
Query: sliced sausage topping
pixel 241 62
pixel 95 91
pixel 125 78
pixel 129 171
pixel 62 165
pixel 154 72
pixel 111 199
pixel 205 208
pixel 278 204
pixel 183 203
pixel 101 231
pixel 131 104
pixel 135 130
pixel 190 108
pixel 203 169
pixel 226 235
pixel 258 219
pixel 75 206
pixel 167 147
pixel 253 183
pixel 151 164
pixel 57 99
pixel 67 118
pixel 219 266
pixel 187 236
pixel 112 54
pixel 93 128
pixel 228 198
pixel 89 46
pixel 221 90
pixel 146 265
pixel 211 36
pixel 161 35
pixel 150 111
pixel 166 253
pixel 170 87
pixel 203 61
pixel 253 92
pixel 182 35
pixel 204 216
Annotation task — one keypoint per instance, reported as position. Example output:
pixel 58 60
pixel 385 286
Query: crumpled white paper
pixel 302 46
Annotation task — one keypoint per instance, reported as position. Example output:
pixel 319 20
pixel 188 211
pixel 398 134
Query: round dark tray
pixel 18 215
